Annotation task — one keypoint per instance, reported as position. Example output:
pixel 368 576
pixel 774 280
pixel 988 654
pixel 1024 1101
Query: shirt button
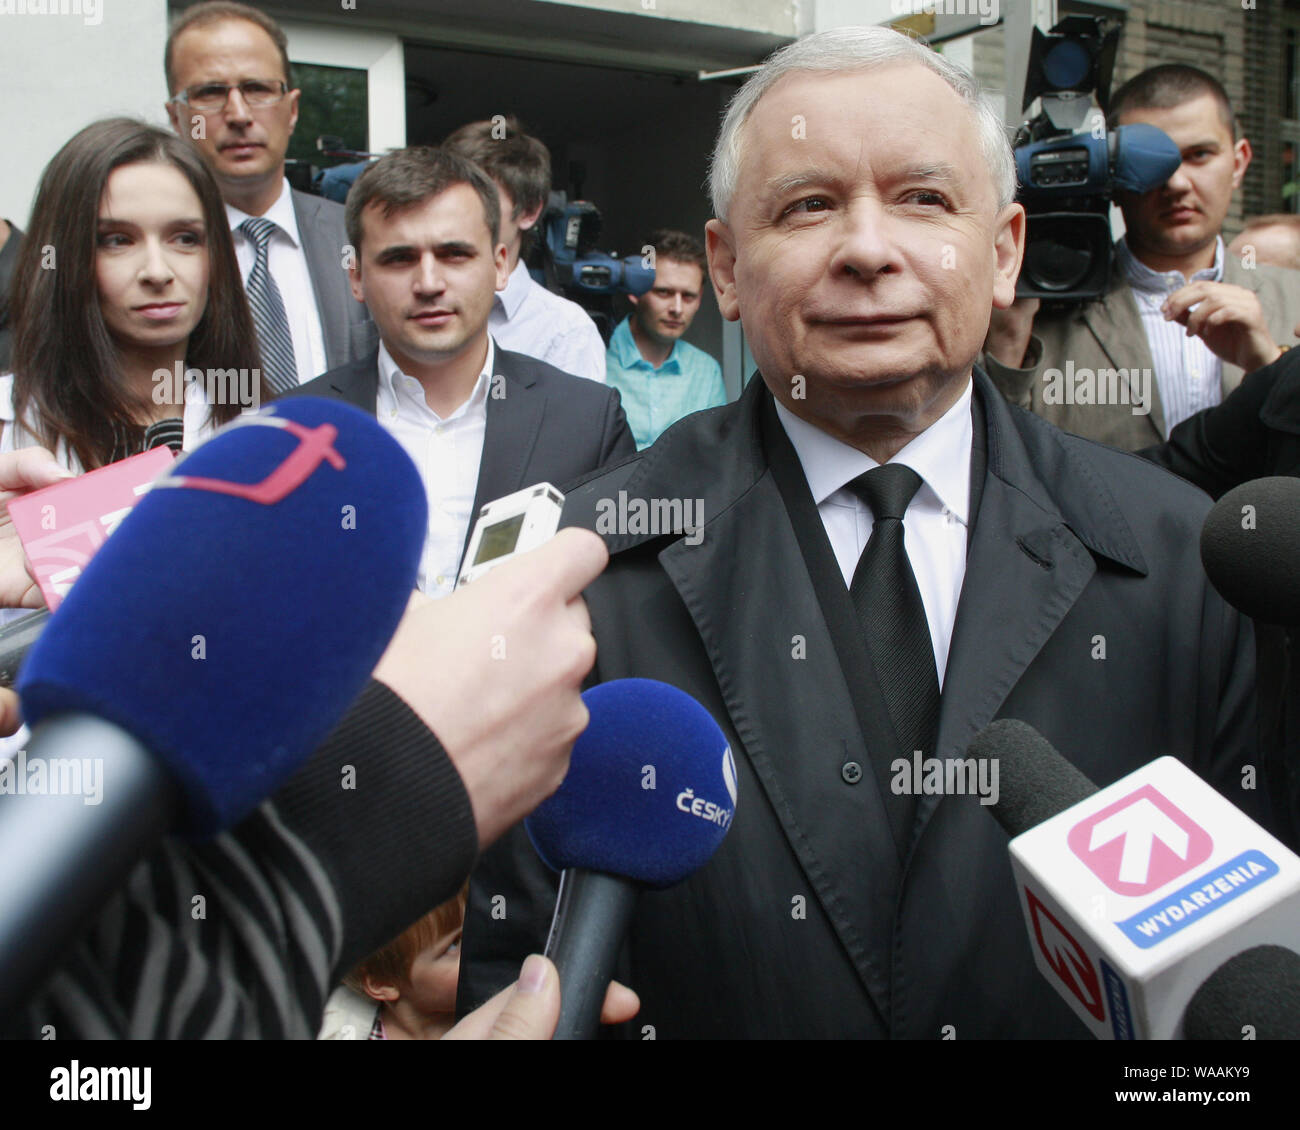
pixel 438 430
pixel 851 771
pixel 441 580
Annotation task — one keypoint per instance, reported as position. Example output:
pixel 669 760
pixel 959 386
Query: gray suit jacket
pixel 345 323
pixel 1108 334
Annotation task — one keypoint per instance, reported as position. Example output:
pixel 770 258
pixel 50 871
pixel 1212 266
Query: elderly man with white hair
pixel 891 558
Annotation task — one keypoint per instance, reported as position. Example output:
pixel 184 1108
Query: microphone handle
pixel 16 639
pixel 61 857
pixel 592 912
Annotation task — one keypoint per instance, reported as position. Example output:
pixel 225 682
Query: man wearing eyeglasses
pixel 228 74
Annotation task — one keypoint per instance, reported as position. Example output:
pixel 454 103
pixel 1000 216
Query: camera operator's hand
pixel 495 671
pixel 1010 331
pixel 1228 318
pixel 530 1008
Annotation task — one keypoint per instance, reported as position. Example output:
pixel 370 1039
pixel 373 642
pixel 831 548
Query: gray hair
pixel 856 49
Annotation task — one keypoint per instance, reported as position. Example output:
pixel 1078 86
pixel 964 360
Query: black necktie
pixel 889 607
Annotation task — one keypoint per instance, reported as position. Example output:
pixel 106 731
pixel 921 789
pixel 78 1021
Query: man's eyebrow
pixel 779 186
pixel 440 248
pixel 937 171
pixel 940 171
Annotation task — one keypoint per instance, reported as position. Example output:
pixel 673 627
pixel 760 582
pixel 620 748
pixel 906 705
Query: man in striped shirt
pixel 1182 321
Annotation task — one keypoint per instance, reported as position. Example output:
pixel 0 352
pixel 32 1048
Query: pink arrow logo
pixel 1140 842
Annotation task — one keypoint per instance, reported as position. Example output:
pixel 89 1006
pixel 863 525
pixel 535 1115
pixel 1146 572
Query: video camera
pixel 570 229
pixel 1068 174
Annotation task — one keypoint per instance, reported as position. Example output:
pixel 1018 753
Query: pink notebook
pixel 62 526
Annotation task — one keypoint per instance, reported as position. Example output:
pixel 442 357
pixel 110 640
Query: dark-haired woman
pixel 127 278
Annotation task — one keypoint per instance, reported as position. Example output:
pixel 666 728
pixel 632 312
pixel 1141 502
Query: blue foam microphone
pixel 1143 157
pixel 649 796
pixel 211 645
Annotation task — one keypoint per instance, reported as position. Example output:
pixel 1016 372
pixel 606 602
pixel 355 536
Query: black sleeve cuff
pixel 382 807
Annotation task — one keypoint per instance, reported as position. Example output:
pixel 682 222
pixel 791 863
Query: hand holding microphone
pixel 530 1008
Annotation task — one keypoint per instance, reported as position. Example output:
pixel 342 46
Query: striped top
pixel 242 937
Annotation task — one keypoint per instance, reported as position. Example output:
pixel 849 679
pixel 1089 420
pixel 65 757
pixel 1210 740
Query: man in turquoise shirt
pixel 660 377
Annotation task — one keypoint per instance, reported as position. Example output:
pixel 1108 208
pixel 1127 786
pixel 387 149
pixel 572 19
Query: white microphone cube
pixel 1135 896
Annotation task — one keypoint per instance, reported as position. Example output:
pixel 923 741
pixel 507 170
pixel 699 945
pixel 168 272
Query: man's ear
pixel 174 116
pixel 721 246
pixel 294 95
pixel 354 280
pixel 1009 229
pixel 501 260
pixel 1241 155
pixel 529 219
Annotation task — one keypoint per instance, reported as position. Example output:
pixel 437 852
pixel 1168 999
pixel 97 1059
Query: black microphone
pixel 1250 547
pixel 1255 993
pixel 16 639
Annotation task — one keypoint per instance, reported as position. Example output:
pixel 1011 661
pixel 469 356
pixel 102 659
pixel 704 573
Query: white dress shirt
pixel 287 263
pixel 447 453
pixel 935 524
pixel 1189 374
pixel 528 318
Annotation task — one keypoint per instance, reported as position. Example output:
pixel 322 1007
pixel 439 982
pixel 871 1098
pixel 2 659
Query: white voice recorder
pixel 510 526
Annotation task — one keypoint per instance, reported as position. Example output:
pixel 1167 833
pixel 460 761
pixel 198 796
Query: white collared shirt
pixel 196 421
pixel 287 263
pixel 528 318
pixel 1189 374
pixel 447 453
pixel 935 524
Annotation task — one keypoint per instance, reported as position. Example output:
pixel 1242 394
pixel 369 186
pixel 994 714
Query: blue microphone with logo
pixel 649 796
pixel 211 645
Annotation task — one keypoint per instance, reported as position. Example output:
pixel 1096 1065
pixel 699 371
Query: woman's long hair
pixel 68 379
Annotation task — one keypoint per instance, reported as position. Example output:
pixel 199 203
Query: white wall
pixel 62 72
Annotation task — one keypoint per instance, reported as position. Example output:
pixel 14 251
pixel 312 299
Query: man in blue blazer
pixel 479 421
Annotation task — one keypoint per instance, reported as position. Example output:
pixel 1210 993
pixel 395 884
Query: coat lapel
pixel 760 623
pixel 357 383
pixel 514 420
pixel 1117 326
pixel 1027 566
pixel 322 259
